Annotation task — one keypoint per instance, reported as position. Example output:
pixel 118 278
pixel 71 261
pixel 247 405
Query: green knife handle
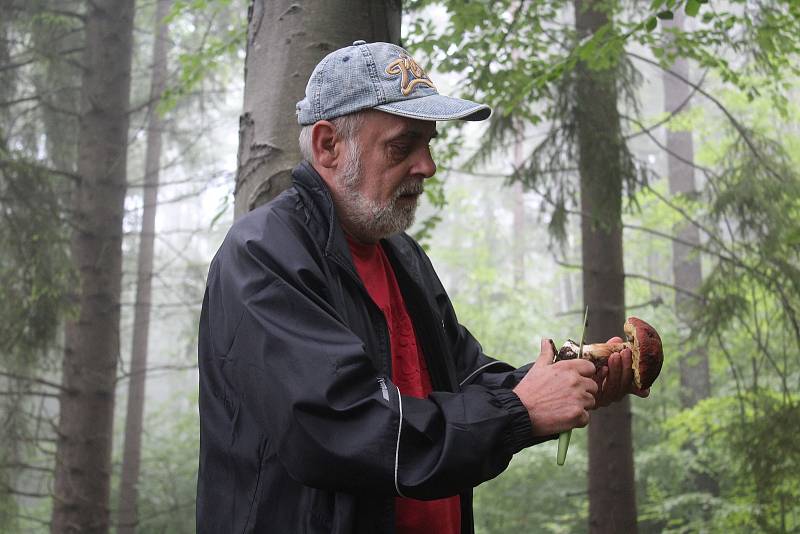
pixel 563 445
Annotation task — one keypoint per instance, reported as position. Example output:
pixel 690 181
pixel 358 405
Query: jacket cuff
pixel 520 431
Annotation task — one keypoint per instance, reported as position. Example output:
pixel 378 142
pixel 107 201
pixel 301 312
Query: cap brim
pixel 438 108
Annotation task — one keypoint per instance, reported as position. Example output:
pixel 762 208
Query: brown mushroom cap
pixel 646 349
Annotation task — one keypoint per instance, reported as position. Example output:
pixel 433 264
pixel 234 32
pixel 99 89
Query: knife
pixel 563 438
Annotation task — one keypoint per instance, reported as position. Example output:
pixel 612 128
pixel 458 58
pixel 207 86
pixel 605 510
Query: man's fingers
pixel 591 386
pixel 589 401
pixel 599 379
pixel 626 358
pixel 583 419
pixel 613 381
pixel 583 367
pixel 546 354
pixel 615 339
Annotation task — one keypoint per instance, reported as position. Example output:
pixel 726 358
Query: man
pixel 338 392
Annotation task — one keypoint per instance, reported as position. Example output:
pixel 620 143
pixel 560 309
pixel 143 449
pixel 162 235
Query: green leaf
pixel 651 24
pixel 692 7
pixel 665 15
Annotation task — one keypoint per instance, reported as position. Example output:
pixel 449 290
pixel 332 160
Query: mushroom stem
pixel 602 351
pixel 594 352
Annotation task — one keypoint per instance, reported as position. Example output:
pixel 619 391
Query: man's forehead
pixel 423 129
pixel 396 126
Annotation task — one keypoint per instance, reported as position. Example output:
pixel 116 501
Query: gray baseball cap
pixel 379 76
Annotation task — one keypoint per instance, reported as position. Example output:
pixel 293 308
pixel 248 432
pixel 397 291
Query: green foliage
pixel 554 503
pixel 221 41
pixel 168 482
pixel 475 249
pixel 747 444
pixel 36 283
pixel 763 43
pixel 753 197
pixel 35 275
pixel 696 468
pixel 747 214
pixel 39 43
pixel 472 248
pixel 521 58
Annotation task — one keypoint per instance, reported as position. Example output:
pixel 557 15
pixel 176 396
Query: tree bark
pixel 612 497
pixel 7 77
pixel 83 454
pixel 128 517
pixel 519 241
pixel 686 268
pixel 9 453
pixel 285 40
pixel 695 379
pixel 58 88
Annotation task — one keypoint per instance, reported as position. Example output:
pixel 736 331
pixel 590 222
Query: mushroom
pixel 645 345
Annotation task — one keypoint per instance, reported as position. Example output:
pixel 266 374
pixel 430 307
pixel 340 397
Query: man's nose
pixel 425 166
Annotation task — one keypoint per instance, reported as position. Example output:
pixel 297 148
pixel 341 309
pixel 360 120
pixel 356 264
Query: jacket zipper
pixel 426 326
pixel 382 331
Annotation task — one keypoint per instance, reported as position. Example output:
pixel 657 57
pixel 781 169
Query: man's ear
pixel 325 144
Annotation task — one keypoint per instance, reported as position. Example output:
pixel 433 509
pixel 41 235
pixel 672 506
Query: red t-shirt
pixel 410 374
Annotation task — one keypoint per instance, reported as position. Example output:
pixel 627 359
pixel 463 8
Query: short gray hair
pixel 346 126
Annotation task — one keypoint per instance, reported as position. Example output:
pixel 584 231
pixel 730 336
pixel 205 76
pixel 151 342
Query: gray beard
pixel 366 219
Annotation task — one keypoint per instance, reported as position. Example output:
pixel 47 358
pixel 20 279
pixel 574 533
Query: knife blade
pixel 564 437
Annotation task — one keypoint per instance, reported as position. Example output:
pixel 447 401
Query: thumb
pixel 546 353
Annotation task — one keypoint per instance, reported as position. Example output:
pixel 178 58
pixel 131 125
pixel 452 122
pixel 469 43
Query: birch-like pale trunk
pixel 695 378
pixel 127 515
pixel 612 496
pixel 686 268
pixel 285 40
pixel 519 239
pixel 83 451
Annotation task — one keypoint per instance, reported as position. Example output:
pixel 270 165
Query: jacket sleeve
pixel 333 420
pixel 475 367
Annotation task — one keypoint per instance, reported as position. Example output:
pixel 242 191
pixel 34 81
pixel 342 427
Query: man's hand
pixel 615 380
pixel 558 396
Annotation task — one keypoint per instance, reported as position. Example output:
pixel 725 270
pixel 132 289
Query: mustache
pixel 410 188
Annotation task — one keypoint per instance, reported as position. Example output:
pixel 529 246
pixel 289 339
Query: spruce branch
pixel 647 130
pixel 35 380
pixel 736 124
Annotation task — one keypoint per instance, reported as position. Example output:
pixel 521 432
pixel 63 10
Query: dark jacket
pixel 301 427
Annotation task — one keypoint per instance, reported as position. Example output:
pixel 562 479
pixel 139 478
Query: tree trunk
pixel 612 497
pixel 57 40
pixel 687 273
pixel 9 452
pixel 83 454
pixel 285 40
pixel 519 241
pixel 7 76
pixel 128 517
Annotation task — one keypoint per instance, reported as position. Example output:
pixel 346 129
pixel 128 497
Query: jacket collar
pixel 330 233
pixel 321 209
pixel 402 250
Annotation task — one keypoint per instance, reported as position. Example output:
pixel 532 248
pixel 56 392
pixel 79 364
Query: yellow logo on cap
pixel 402 66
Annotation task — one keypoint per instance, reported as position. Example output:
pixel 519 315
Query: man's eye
pixel 399 150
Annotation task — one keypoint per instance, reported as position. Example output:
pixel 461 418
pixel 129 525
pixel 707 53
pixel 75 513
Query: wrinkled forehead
pixel 386 125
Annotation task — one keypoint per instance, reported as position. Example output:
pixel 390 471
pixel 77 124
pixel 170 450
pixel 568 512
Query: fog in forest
pixel 669 126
